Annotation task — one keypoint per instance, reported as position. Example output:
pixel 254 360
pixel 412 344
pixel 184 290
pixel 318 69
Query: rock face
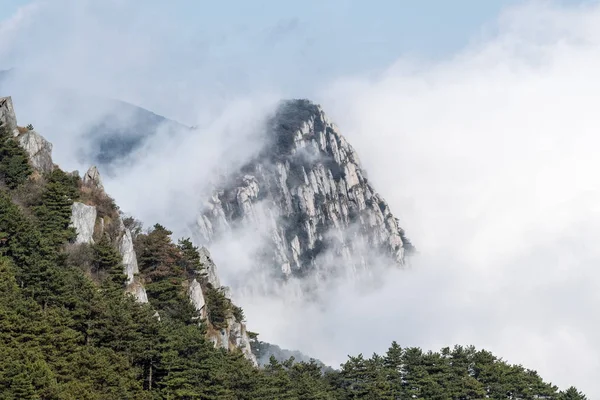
pixel 234 335
pixel 210 267
pixel 197 297
pixel 129 257
pixel 138 291
pixel 308 187
pixel 7 115
pixel 38 149
pixel 92 178
pixel 130 265
pixel 83 219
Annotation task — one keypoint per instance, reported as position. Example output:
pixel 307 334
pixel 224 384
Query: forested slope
pixel 68 330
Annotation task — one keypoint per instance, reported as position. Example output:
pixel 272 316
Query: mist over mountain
pixel 485 154
pixel 108 131
pixel 161 324
pixel 307 198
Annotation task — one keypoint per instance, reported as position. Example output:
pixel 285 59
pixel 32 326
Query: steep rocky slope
pixel 95 216
pixel 307 186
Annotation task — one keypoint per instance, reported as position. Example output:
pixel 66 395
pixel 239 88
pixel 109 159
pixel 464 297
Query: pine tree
pixel 190 258
pixel 107 261
pixel 158 256
pixel 218 307
pixel 572 394
pixel 65 336
pixel 393 366
pixel 14 165
pixel 54 211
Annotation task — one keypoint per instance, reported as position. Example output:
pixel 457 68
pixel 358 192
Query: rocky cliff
pixel 38 148
pixel 92 219
pixel 233 334
pixel 230 335
pixel 7 115
pixel 309 189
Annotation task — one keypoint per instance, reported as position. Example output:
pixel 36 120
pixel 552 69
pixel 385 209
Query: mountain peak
pixel 308 186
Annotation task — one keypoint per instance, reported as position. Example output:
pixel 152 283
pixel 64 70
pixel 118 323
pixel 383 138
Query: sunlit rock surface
pixel 307 187
pixel 83 219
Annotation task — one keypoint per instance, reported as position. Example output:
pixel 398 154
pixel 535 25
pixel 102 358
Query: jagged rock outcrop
pixel 197 297
pixel 210 267
pixel 264 351
pixel 7 115
pixel 39 150
pixel 234 334
pixel 130 264
pixel 136 288
pixel 92 178
pixel 83 219
pixel 308 188
pixel 238 337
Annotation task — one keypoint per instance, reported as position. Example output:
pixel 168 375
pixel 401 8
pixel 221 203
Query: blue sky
pixel 426 26
pixel 217 47
pixel 199 53
pixel 203 54
pixel 363 34
pixel 10 6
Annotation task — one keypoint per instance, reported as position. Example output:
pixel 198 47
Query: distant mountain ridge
pixel 112 129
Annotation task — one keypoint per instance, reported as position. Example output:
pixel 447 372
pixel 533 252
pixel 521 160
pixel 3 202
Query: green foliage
pixel 460 373
pixel 572 394
pixel 158 257
pixel 64 336
pixel 134 226
pixel 106 263
pixel 14 165
pixel 218 307
pixel 238 313
pixel 106 257
pixel 169 297
pixel 25 245
pixel 54 210
pixel 190 258
pixel 165 266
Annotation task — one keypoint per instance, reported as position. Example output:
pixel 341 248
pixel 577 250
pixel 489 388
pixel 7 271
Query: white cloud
pixel 489 159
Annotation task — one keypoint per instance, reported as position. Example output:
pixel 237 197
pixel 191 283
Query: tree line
pixel 68 331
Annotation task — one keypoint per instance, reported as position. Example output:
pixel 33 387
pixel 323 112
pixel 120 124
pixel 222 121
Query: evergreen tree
pixel 107 261
pixel 14 165
pixel 158 256
pixel 54 211
pixel 218 307
pixel 190 258
pixel 392 363
pixel 66 336
pixel 572 394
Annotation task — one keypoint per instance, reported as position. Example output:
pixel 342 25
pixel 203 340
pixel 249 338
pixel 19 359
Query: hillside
pixel 93 306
